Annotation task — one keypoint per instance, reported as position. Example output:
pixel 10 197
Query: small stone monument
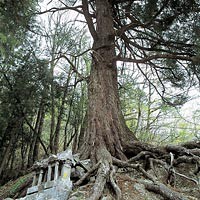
pixel 51 178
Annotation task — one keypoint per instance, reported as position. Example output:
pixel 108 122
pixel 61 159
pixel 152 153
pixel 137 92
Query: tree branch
pixel 89 19
pixel 55 9
pixel 154 57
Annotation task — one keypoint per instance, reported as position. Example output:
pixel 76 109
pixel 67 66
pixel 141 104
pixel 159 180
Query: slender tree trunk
pixel 52 129
pixel 79 137
pixel 138 115
pixel 39 132
pixel 35 135
pixel 52 124
pixel 79 134
pixel 12 160
pixel 12 126
pixel 149 109
pixel 66 136
pixel 59 120
pixel 23 149
pixel 106 129
pixel 6 154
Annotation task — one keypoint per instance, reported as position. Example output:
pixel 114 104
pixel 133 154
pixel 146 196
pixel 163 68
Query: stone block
pixel 48 184
pixel 32 190
pixel 54 193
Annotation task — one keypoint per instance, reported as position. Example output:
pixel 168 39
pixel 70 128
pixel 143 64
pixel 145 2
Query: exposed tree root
pixel 168 157
pixel 182 150
pixel 114 185
pixel 163 190
pixel 165 165
pixel 102 175
pixel 186 177
pixel 87 175
pixel 140 155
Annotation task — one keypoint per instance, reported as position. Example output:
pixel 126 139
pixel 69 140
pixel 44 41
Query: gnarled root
pixel 93 169
pixel 167 157
pixel 105 174
pixel 163 190
pixel 114 185
pixel 102 174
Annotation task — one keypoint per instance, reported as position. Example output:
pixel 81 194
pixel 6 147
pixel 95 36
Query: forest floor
pixel 132 186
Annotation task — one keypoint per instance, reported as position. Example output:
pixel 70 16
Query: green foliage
pixel 3 38
pixel 16 18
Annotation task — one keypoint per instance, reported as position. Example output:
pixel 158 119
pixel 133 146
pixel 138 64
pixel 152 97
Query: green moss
pixel 13 187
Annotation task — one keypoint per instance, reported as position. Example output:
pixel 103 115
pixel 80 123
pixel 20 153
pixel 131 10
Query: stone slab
pixel 32 190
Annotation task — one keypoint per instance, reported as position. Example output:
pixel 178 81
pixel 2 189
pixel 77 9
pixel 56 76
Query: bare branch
pixel 154 57
pixel 55 9
pixel 89 19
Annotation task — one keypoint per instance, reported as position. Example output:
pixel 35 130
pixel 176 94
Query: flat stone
pixel 32 190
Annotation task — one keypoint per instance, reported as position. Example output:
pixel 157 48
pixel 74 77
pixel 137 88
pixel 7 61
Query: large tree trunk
pixel 106 129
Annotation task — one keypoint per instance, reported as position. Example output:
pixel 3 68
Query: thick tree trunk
pixel 106 128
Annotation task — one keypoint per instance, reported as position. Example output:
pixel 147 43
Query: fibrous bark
pixel 106 131
pixel 105 125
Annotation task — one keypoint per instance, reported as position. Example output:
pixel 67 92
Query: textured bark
pixel 106 127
